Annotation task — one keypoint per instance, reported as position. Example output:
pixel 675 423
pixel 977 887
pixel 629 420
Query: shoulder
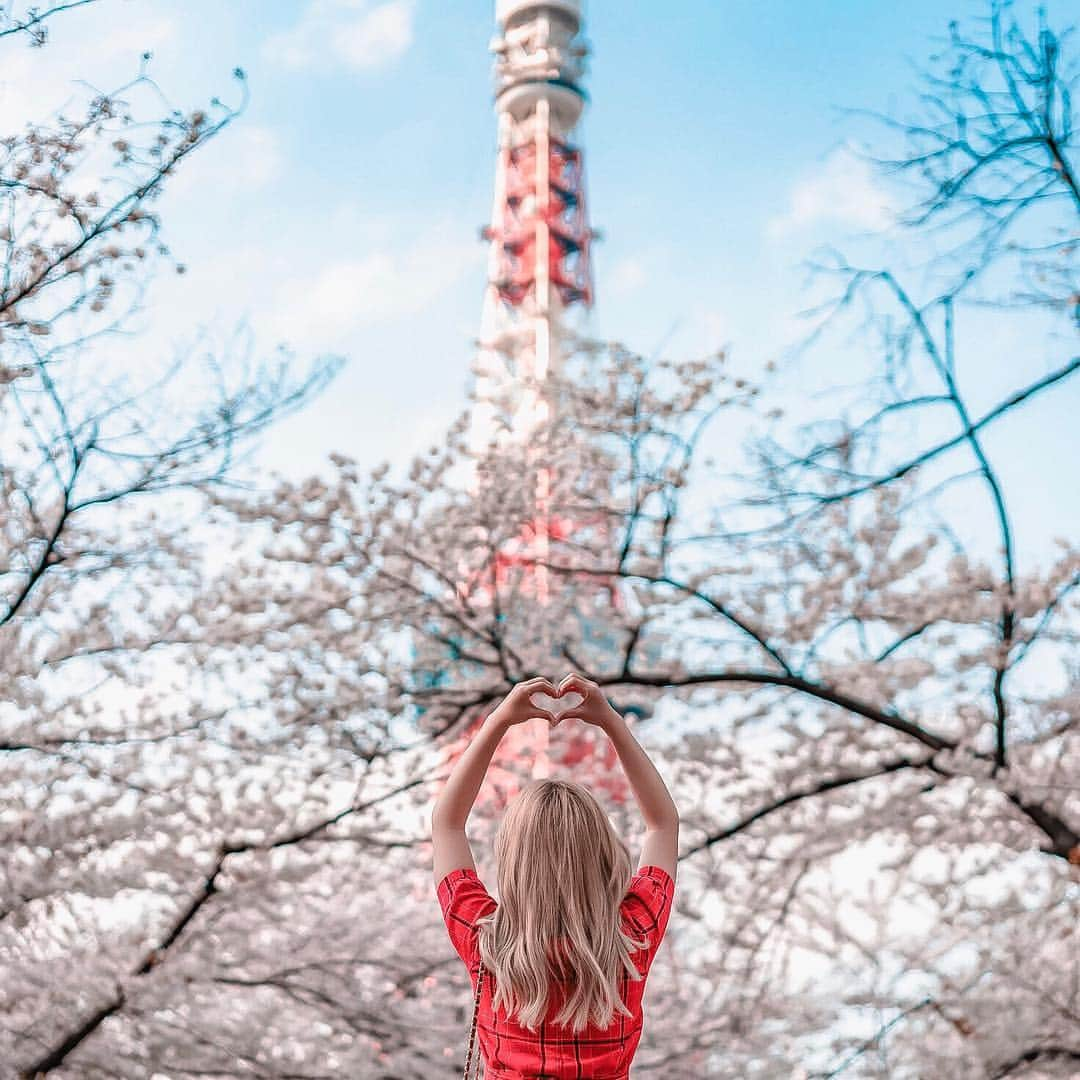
pixel 462 893
pixel 651 880
pixel 649 898
pixel 464 901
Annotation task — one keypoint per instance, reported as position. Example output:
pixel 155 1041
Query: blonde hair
pixel 563 872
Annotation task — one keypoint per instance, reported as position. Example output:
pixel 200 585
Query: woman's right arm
pixel 661 846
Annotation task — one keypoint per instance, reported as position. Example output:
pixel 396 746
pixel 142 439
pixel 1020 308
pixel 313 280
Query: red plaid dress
pixel 511 1051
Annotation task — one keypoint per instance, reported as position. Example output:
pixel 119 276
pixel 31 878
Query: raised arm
pixel 456 799
pixel 661 845
pixel 450 845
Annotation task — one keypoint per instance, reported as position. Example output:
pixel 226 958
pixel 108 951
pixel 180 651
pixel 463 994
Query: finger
pixel 548 687
pixel 538 683
pixel 523 691
pixel 577 681
pixel 576 676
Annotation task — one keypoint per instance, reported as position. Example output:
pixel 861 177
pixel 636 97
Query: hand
pixel 516 707
pixel 595 709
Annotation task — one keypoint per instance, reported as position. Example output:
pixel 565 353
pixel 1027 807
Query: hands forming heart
pixel 560 705
pixel 576 697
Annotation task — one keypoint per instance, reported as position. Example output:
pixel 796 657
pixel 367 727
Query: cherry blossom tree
pixel 109 727
pixel 867 710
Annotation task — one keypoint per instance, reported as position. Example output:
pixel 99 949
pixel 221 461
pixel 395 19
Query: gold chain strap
pixel 472 1027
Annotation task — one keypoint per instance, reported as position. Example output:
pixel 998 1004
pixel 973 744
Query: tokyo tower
pixel 539 289
pixel 538 263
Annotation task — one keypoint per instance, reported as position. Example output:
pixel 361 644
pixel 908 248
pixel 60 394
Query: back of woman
pixel 561 960
pixel 513 1051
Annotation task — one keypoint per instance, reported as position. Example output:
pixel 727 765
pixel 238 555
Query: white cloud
pixel 261 151
pixel 22 91
pixel 627 275
pixel 381 36
pixel 382 286
pixel 36 82
pixel 716 328
pixel 843 191
pixel 245 156
pixel 137 34
pixel 357 33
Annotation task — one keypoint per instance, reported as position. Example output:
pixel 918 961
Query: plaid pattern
pixel 512 1052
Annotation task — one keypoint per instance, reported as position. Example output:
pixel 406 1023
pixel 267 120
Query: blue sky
pixel 341 211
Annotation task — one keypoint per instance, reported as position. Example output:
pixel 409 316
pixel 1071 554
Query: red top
pixel 511 1051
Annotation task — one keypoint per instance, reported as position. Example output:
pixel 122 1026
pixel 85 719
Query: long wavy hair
pixel 562 872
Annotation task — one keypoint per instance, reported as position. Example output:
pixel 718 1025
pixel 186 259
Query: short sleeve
pixel 647 906
pixel 464 900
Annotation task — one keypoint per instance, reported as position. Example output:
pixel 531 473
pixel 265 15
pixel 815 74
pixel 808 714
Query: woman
pixel 566 952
